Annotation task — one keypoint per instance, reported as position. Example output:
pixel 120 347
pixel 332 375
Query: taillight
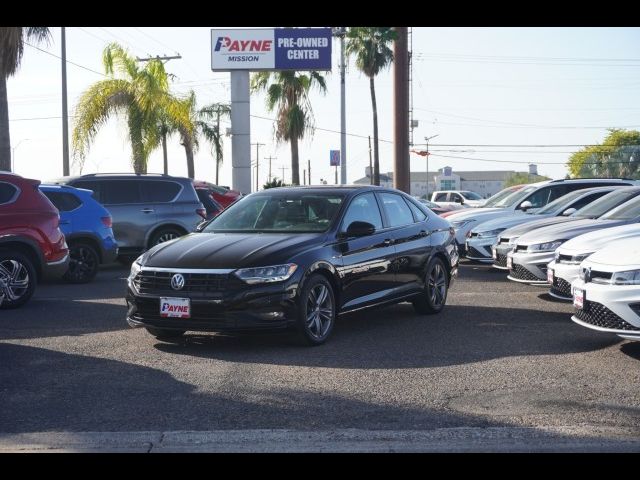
pixel 107 221
pixel 202 212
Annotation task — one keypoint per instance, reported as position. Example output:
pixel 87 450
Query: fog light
pixel 272 315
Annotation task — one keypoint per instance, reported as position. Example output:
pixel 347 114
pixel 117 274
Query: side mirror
pixel 568 211
pixel 360 229
pixel 526 205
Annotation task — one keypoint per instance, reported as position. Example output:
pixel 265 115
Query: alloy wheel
pixel 14 279
pixel 437 285
pixel 165 237
pixel 319 313
pixel 82 263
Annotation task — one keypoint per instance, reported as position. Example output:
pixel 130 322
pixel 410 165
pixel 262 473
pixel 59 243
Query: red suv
pixel 222 195
pixel 31 243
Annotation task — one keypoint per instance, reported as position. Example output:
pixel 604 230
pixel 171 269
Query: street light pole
pixel 427 156
pixel 13 154
pixel 341 32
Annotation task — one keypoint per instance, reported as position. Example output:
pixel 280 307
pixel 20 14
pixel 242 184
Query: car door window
pixel 363 208
pixel 89 185
pixel 159 191
pixel 397 211
pixel 587 199
pixel 419 215
pixel 441 197
pixel 64 202
pixel 118 192
pixel 538 199
pixel 454 197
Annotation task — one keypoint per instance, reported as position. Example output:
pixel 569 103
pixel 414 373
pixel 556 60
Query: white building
pixel 484 183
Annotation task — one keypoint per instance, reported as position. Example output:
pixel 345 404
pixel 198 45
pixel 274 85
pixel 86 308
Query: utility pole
pixel 257 144
pixel 270 158
pixel 426 139
pixel 401 177
pixel 65 116
pixel 304 177
pixel 309 170
pixel 159 57
pixel 370 163
pixel 341 32
pixel 283 169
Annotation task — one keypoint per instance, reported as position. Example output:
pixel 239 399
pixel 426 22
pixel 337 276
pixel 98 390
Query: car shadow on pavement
pixel 56 317
pixel 395 337
pixel 631 349
pixel 110 282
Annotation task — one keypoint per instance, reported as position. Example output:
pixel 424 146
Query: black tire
pixel 164 235
pixel 436 287
pixel 19 266
pixel 164 333
pixel 316 310
pixel 84 262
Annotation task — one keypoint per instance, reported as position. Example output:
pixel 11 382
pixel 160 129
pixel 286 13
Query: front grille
pixel 501 260
pixel 195 284
pixel 521 273
pixel 473 252
pixel 561 287
pixel 597 314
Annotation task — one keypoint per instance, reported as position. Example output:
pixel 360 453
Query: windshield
pixel 471 195
pixel 492 200
pixel 560 203
pixel 626 211
pixel 515 197
pixel 428 203
pixel 608 202
pixel 291 212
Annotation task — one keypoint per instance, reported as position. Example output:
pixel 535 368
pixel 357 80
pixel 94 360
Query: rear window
pixel 65 202
pixel 398 212
pixel 90 185
pixel 116 192
pixel 7 192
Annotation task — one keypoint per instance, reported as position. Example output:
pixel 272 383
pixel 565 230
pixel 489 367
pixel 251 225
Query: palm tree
pixel 142 94
pixel 11 49
pixel 370 46
pixel 183 118
pixel 288 92
pixel 211 131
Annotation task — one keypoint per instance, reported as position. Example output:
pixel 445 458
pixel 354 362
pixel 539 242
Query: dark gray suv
pixel 146 209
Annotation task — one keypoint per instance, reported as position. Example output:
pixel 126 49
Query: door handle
pixel 424 233
pixel 387 242
pixel 147 210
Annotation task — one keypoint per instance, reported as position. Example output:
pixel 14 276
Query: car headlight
pixel 545 247
pixel 577 259
pixel 136 266
pixel 461 223
pixel 491 233
pixel 274 273
pixel 630 277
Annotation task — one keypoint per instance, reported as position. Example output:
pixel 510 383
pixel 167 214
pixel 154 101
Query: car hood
pixel 611 257
pixel 230 250
pixel 566 231
pixel 535 224
pixel 594 241
pixel 465 213
pixel 507 221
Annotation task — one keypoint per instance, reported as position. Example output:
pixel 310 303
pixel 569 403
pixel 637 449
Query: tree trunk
pixel 5 140
pixel 295 169
pixel 376 155
pixel 217 142
pixel 137 144
pixel 188 148
pixel 165 162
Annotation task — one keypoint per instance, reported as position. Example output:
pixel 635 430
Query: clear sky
pixel 472 86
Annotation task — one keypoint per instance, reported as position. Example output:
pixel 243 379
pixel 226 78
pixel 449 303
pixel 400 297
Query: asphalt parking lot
pixel 503 366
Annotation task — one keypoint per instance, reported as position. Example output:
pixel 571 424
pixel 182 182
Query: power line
pixel 68 61
pixel 519 162
pixel 163 45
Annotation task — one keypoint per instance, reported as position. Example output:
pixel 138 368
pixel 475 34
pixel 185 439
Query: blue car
pixel 86 225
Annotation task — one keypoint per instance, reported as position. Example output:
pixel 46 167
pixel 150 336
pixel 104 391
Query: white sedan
pixel 606 296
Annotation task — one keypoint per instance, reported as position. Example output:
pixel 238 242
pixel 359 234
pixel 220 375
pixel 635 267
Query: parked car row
pixel 69 226
pixel 585 245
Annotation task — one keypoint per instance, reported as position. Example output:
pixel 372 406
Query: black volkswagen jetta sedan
pixel 295 257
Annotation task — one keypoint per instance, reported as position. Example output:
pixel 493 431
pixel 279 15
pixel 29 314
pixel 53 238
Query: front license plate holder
pixel 172 307
pixel 578 298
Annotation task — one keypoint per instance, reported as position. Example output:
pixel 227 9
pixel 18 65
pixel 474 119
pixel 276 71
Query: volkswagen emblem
pixel 177 281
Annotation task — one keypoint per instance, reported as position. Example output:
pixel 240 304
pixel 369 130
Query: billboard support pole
pixel 240 131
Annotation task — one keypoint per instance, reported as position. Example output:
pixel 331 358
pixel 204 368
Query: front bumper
pixel 500 261
pixel 563 276
pixel 607 308
pixel 255 308
pixel 530 267
pixel 55 270
pixel 479 248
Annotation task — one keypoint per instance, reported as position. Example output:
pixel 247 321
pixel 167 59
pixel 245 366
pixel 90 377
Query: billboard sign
pixel 334 158
pixel 271 49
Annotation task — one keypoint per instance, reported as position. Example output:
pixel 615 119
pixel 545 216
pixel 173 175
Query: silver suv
pixel 146 209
